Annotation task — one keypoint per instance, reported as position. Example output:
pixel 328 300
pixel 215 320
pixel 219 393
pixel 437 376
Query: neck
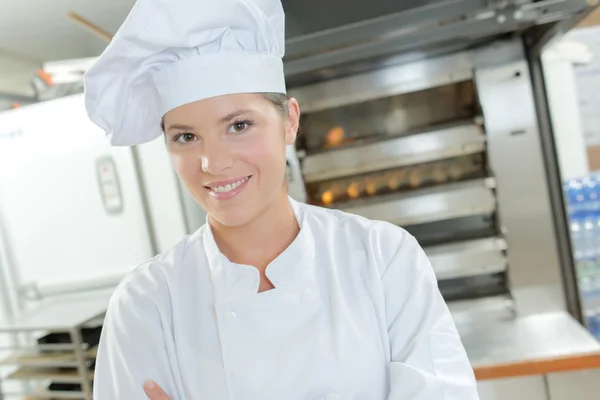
pixel 260 241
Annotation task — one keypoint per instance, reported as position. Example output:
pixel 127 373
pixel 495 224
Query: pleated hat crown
pixel 169 53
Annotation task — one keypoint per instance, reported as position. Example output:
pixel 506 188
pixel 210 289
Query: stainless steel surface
pixel 377 38
pixel 428 205
pixel 515 157
pixel 561 223
pixel 377 27
pixel 534 337
pixel 390 81
pixel 487 25
pixel 475 257
pixel 482 310
pixel 59 314
pixel 515 388
pixel 396 152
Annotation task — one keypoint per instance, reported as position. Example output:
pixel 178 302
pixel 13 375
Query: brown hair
pixel 279 100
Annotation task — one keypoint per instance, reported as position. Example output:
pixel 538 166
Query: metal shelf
pixel 62 359
pixel 55 375
pixel 453 141
pixel 59 315
pixel 38 362
pixel 55 395
pixel 429 205
pixel 470 258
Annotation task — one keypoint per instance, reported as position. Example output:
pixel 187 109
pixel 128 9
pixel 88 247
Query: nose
pixel 217 157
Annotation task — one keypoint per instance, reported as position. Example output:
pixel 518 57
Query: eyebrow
pixel 223 120
pixel 178 126
pixel 232 115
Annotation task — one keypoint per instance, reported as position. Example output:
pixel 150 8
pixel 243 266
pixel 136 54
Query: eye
pixel 185 138
pixel 239 126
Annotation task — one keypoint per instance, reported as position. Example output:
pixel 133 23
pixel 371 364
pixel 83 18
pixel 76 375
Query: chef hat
pixel 169 53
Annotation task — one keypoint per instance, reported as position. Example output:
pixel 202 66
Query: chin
pixel 234 217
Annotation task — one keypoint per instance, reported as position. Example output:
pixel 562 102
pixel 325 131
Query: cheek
pixel 186 166
pixel 264 154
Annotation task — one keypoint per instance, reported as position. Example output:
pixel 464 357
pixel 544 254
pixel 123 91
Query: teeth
pixel 228 187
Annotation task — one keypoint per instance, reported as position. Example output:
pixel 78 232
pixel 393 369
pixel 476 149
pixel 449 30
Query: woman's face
pixel 229 152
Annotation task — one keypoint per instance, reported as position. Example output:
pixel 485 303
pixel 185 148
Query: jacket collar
pixel 292 270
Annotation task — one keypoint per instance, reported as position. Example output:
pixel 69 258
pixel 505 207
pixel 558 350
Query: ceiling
pixel 34 31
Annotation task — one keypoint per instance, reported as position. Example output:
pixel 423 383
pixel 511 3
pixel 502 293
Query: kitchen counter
pixel 532 345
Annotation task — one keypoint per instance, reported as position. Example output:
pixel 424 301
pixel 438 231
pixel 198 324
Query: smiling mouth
pixel 229 187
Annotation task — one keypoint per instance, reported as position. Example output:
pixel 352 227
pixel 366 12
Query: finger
pixel 154 391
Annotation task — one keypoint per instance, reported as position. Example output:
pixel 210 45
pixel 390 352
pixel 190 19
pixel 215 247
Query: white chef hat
pixel 169 53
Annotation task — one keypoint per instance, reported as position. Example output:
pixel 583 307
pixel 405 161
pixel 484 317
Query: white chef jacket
pixel 355 314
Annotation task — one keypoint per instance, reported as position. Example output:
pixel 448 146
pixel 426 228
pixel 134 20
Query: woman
pixel 270 298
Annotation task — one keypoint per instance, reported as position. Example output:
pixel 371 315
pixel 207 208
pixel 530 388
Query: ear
pixel 293 122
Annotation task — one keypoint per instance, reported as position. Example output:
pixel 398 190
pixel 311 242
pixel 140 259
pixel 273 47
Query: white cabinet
pixel 578 385
pixel 522 388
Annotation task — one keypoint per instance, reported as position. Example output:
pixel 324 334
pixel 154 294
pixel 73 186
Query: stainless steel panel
pixel 475 257
pixel 429 205
pixel 556 194
pixel 515 157
pixel 534 337
pixel 518 388
pixel 397 152
pixel 375 28
pixel 491 21
pixel 580 385
pixel 464 31
pixel 389 81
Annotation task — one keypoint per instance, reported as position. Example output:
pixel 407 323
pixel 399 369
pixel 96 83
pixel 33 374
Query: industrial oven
pixel 429 146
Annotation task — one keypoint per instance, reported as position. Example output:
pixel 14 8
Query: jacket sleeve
pixel 428 360
pixel 132 350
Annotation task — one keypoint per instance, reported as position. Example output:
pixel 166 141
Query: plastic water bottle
pixel 575 202
pixel 590 212
pixel 591 321
pixel 594 328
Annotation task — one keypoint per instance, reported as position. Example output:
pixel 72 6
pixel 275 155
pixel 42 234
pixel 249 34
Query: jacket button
pixel 309 297
pixel 229 317
pixel 332 396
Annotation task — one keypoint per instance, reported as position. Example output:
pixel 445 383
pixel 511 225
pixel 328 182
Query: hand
pixel 154 391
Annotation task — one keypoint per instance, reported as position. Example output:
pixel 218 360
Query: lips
pixel 222 187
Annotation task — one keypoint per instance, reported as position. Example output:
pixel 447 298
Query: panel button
pixel 229 317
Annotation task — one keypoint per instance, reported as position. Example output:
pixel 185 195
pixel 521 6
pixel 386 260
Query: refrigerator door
pixel 70 204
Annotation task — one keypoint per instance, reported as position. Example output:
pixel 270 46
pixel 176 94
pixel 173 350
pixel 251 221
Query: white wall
pixel 519 388
pixel 559 62
pixel 588 83
pixel 50 206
